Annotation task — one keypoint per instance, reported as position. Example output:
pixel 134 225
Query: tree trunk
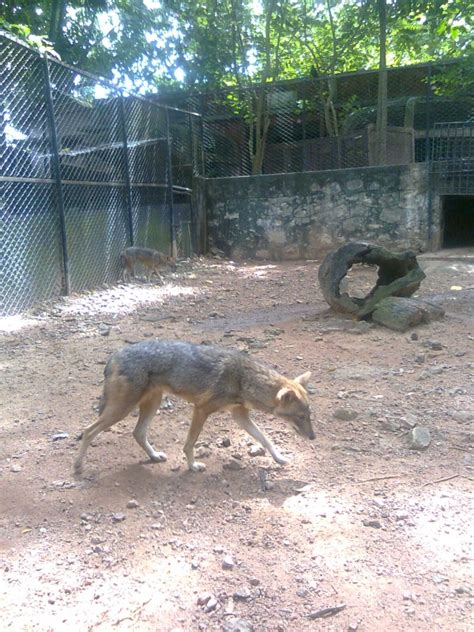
pixel 381 124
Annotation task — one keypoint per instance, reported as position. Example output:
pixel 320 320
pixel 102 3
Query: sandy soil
pixel 356 519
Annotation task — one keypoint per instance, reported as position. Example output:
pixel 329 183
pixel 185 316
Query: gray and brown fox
pixel 211 378
pixel 152 260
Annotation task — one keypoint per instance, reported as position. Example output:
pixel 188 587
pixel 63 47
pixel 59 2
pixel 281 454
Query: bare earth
pixel 356 518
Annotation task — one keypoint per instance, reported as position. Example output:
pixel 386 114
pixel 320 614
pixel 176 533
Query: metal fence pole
pixel 429 144
pixel 56 168
pixel 126 167
pixel 174 249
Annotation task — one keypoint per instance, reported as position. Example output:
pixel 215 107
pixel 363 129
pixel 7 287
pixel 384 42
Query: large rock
pixel 401 314
pixel 398 275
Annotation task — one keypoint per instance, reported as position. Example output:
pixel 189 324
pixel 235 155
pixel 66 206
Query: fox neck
pixel 260 387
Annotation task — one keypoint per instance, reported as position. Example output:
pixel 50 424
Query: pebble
pixel 345 414
pixel 118 517
pixel 132 504
pixel 60 435
pixel 228 563
pixel 368 522
pixel 203 599
pixel 15 468
pixel 256 450
pixel 233 464
pixel 242 594
pixel 211 605
pixel 254 581
pixel 419 438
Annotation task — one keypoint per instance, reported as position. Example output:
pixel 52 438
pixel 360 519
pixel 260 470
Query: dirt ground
pixel 357 519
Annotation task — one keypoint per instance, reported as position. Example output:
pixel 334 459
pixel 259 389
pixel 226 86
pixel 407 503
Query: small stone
pixel 254 581
pixel 203 599
pixel 60 435
pixel 211 605
pixel 420 359
pixel 368 522
pixel 243 594
pixel 302 592
pixel 414 336
pixel 228 563
pixel 118 517
pixel 237 625
pixel 353 627
pixel 15 468
pixel 104 330
pixel 345 414
pixel 419 438
pixel 401 515
pixel 233 464
pixel 460 590
pixel 462 416
pixel 132 504
pixel 256 450
pixel 434 345
pixel 223 442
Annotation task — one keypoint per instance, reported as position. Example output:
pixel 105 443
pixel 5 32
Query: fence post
pixel 429 144
pixel 56 167
pixel 174 249
pixel 126 167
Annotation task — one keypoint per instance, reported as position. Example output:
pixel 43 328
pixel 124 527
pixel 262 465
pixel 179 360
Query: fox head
pixel 292 403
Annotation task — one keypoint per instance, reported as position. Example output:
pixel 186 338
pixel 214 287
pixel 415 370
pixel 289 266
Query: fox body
pixel 211 378
pixel 152 260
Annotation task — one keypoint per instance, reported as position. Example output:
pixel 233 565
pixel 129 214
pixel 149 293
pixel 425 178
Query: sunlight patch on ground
pixel 11 324
pixel 123 299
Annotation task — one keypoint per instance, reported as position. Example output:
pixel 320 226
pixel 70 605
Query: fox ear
pixel 285 395
pixel 303 379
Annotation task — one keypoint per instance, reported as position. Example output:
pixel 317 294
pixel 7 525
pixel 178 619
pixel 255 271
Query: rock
pixel 398 275
pixel 104 330
pixel 463 416
pixel 369 522
pixel 254 581
pixel 15 468
pixel 211 604
pixel 60 435
pixel 256 450
pixel 434 345
pixel 203 598
pixel 345 414
pixel 118 517
pixel 223 442
pixel 243 594
pixel 233 464
pixel 228 563
pixel 400 313
pixel 237 625
pixel 132 504
pixel 420 438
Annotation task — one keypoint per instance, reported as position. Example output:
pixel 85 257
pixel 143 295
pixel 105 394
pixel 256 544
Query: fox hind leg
pixel 112 413
pixel 148 408
pixel 241 416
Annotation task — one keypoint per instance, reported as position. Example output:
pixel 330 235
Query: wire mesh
pixel 30 245
pixel 112 182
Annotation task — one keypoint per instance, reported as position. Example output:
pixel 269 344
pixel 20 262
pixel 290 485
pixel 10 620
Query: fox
pixel 151 259
pixel 211 378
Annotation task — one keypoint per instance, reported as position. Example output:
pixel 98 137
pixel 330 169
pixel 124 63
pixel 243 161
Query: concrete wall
pixel 301 215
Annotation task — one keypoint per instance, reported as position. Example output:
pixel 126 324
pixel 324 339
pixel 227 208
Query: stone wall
pixel 301 215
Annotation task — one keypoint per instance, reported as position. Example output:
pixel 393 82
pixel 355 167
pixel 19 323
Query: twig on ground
pixel 378 478
pixel 447 478
pixel 326 612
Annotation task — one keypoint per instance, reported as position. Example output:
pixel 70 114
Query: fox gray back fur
pixel 151 259
pixel 212 378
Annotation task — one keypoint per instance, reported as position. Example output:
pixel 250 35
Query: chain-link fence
pixel 322 123
pixel 85 171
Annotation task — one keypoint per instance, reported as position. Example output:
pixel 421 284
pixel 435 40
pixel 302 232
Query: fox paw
pixel 197 467
pixel 280 459
pixel 158 457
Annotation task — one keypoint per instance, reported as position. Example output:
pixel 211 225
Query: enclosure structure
pixel 85 171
